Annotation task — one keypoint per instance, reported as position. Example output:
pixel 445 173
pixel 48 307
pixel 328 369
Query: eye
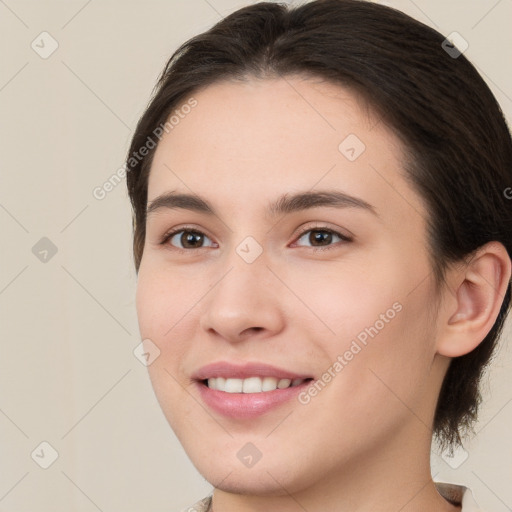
pixel 322 235
pixel 189 238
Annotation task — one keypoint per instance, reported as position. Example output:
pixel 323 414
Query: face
pixel 330 290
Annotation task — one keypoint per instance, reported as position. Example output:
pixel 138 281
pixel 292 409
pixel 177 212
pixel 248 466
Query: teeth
pixel 269 384
pixel 251 384
pixel 233 386
pixel 284 383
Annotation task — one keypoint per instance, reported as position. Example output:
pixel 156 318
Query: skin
pixel 243 145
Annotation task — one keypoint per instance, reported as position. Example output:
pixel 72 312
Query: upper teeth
pixel 251 385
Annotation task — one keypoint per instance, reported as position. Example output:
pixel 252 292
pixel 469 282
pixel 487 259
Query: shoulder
pixel 458 495
pixel 200 506
pixel 454 493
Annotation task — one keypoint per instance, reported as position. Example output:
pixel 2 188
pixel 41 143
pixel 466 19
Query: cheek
pixel 342 301
pixel 164 301
pixel 164 311
pixel 374 328
pixel 163 308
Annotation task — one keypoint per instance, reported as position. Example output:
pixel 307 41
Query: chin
pixel 277 476
pixel 249 481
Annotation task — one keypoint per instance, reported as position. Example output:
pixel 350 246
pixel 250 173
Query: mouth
pixel 249 398
pixel 243 390
pixel 254 384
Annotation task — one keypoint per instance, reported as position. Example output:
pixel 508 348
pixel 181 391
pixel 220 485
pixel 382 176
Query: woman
pixel 322 237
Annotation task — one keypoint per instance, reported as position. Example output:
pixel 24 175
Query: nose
pixel 244 301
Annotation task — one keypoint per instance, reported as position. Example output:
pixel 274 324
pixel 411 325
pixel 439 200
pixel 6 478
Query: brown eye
pixel 322 238
pixel 188 238
pixel 191 239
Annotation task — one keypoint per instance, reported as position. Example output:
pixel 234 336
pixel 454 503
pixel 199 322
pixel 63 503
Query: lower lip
pixel 247 405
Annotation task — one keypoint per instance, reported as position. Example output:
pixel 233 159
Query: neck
pixel 392 476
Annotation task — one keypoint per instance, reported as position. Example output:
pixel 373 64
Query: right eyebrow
pixel 173 200
pixel 283 205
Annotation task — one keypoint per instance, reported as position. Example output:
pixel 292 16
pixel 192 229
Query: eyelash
pixel 190 229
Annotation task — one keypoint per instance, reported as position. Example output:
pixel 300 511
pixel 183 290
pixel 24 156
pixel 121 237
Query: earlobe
pixel 480 288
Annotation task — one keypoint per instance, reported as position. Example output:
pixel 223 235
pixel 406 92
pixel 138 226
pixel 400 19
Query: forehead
pixel 260 138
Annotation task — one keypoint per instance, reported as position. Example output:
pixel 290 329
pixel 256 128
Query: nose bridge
pixel 242 297
pixel 246 267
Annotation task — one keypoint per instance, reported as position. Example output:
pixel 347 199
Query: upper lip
pixel 243 371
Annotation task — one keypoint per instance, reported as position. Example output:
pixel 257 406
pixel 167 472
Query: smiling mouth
pixel 251 384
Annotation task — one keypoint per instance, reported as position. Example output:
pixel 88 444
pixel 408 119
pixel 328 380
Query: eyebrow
pixel 285 204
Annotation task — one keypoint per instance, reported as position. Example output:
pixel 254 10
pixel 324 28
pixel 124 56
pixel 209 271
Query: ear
pixel 477 292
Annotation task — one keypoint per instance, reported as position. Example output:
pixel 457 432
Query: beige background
pixel 68 375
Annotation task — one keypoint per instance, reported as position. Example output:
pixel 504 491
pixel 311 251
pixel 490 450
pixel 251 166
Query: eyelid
pixel 303 230
pixel 174 231
pixel 320 226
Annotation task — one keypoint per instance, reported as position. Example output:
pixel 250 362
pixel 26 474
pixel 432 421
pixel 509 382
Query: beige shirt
pixel 455 494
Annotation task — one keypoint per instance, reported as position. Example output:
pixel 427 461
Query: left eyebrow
pixel 285 204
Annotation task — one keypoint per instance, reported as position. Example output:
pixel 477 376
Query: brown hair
pixel 458 146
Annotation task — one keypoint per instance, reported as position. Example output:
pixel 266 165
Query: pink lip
pixel 244 371
pixel 247 405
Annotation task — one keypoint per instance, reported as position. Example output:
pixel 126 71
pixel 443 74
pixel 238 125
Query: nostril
pixel 255 329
